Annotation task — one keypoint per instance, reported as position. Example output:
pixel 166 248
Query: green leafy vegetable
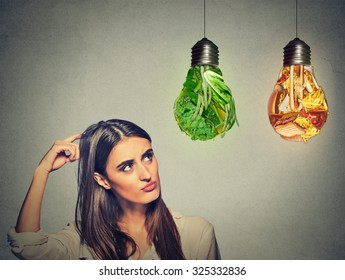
pixel 205 107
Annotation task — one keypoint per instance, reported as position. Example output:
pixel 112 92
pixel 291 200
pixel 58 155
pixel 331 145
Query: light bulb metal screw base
pixel 296 52
pixel 205 52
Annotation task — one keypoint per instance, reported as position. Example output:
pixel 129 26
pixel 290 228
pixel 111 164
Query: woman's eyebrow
pixel 130 161
pixel 126 162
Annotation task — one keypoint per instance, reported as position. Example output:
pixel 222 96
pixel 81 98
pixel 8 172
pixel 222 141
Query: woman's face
pixel 132 172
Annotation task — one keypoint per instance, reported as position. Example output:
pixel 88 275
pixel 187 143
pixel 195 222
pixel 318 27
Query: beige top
pixel 197 238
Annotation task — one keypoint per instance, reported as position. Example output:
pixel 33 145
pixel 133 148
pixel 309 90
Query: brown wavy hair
pixel 98 210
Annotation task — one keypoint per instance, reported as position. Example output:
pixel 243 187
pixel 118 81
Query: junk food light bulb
pixel 205 107
pixel 297 108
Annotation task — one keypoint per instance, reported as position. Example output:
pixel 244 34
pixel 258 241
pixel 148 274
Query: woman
pixel 120 210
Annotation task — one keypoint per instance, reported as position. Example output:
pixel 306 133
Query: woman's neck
pixel 132 222
pixel 133 216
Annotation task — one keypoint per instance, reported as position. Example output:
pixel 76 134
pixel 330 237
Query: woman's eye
pixel 148 156
pixel 126 167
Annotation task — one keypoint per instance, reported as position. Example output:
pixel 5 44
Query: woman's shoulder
pixel 183 222
pixel 198 239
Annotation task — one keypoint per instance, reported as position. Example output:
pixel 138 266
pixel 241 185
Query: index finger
pixel 73 137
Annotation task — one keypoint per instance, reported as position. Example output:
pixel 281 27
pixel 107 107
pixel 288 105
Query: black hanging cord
pixel 296 20
pixel 204 18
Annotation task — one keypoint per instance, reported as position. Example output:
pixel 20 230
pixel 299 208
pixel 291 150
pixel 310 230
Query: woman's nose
pixel 144 173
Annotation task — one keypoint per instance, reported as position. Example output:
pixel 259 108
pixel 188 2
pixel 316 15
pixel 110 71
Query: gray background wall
pixel 67 64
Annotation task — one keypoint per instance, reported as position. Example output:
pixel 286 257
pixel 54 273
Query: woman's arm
pixel 59 154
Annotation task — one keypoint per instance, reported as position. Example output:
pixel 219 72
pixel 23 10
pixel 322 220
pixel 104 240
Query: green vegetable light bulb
pixel 205 107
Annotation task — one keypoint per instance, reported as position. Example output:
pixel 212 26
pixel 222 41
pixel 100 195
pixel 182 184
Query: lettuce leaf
pixel 198 128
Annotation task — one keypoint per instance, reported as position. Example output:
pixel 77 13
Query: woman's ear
pixel 101 180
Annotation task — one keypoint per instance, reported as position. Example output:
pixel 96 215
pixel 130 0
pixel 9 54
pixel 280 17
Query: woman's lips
pixel 149 187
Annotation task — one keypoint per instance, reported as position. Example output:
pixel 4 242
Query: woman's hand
pixel 62 152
